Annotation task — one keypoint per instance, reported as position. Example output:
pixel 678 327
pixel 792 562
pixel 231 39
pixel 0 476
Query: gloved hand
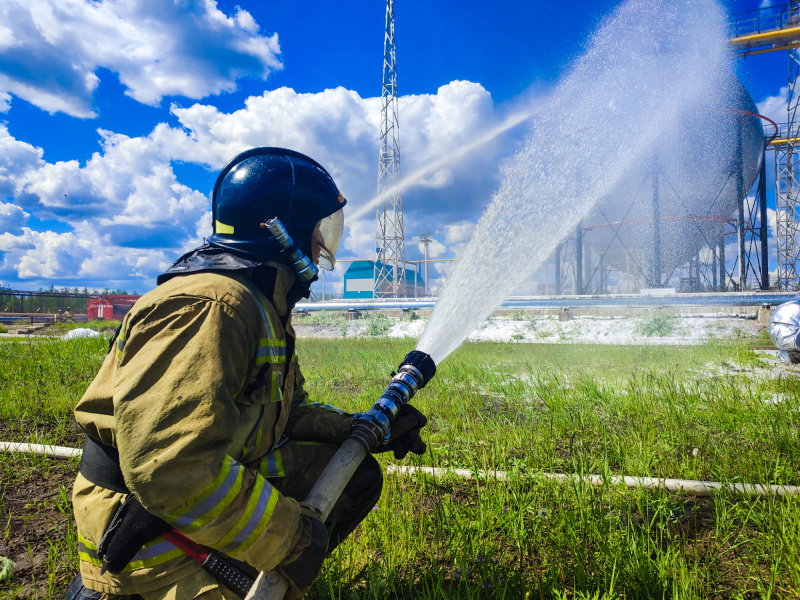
pixel 404 436
pixel 303 563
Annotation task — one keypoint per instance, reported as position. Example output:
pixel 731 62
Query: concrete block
pixel 764 314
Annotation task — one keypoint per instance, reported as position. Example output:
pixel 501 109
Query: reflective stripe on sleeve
pixel 272 465
pixel 210 501
pixel 254 520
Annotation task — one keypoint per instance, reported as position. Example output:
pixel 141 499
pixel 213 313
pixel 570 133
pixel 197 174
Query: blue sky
pixel 116 115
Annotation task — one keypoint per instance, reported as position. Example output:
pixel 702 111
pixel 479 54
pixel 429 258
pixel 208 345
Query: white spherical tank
pixel 683 197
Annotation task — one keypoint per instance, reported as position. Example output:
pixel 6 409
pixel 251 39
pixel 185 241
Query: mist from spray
pixel 409 180
pixel 650 62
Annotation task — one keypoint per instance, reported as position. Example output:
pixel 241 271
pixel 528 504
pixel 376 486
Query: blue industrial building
pixel 359 280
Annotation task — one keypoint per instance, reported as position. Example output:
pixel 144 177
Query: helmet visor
pixel 327 235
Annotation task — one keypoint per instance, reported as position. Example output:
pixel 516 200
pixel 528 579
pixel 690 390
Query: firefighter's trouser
pixel 302 464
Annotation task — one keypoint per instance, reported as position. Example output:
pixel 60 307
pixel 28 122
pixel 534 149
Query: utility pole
pixel 425 239
pixel 390 279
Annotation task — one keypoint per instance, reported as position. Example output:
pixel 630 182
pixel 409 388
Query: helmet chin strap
pixel 299 290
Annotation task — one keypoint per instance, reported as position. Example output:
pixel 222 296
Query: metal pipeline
pixel 708 300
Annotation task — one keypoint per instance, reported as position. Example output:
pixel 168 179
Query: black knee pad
pixel 366 483
pixel 360 495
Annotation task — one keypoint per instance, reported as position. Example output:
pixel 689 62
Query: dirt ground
pixel 35 514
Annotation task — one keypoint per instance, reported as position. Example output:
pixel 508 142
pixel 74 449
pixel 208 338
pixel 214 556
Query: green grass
pixel 695 412
pixel 656 324
pixel 3 329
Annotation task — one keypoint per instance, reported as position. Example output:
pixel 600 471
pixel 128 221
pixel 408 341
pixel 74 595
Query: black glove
pixel 404 436
pixel 304 569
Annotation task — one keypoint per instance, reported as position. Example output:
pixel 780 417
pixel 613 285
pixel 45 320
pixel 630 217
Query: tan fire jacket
pixel 194 448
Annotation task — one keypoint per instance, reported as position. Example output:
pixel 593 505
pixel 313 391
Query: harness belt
pixel 132 526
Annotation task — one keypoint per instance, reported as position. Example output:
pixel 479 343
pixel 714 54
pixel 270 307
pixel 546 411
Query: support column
pixel 601 269
pixel 587 266
pixel 713 268
pixel 655 272
pixel 579 259
pixel 762 210
pixel 723 277
pixel 558 270
pixel 740 194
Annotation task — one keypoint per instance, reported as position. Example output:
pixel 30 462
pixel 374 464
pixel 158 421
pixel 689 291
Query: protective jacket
pixel 197 396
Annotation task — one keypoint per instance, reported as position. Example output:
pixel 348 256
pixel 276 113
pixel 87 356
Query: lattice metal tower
pixel 787 177
pixel 390 277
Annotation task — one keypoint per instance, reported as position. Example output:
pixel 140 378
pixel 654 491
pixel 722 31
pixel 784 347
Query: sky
pixel 116 115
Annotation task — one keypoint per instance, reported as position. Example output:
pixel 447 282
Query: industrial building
pixel 361 275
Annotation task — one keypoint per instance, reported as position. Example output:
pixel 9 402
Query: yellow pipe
pixel 784 141
pixel 770 35
pixel 764 50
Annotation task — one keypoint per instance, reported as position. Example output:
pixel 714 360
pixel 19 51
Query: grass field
pixel 716 412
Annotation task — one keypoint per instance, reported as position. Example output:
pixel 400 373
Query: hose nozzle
pixel 372 428
pixel 303 267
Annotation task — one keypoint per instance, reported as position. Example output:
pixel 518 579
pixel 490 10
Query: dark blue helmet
pixel 264 183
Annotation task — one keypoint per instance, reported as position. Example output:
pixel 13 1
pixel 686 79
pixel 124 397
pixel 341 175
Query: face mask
pixel 327 234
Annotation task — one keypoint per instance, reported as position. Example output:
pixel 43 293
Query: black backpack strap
pixel 100 465
pixel 132 526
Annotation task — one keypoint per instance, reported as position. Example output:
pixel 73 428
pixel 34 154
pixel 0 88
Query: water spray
pixel 306 270
pixel 430 167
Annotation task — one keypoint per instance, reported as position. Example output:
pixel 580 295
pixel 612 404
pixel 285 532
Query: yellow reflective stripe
pixel 270 351
pixel 225 543
pixel 262 524
pixel 248 450
pixel 120 345
pixel 223 228
pixel 153 553
pixel 272 465
pixel 209 503
pixel 262 304
pixel 87 551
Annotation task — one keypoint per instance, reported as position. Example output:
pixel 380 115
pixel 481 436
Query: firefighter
pixel 198 420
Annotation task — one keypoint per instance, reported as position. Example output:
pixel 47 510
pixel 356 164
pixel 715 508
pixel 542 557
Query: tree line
pixel 50 299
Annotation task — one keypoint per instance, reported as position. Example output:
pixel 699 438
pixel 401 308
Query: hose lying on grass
pixel 687 486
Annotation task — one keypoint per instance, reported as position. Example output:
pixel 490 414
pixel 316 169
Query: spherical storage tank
pixel 694 175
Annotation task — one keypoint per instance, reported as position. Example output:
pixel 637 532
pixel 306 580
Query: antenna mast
pixel 390 277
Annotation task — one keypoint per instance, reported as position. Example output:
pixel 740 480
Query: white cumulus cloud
pixel 128 202
pixel 12 218
pixel 50 50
